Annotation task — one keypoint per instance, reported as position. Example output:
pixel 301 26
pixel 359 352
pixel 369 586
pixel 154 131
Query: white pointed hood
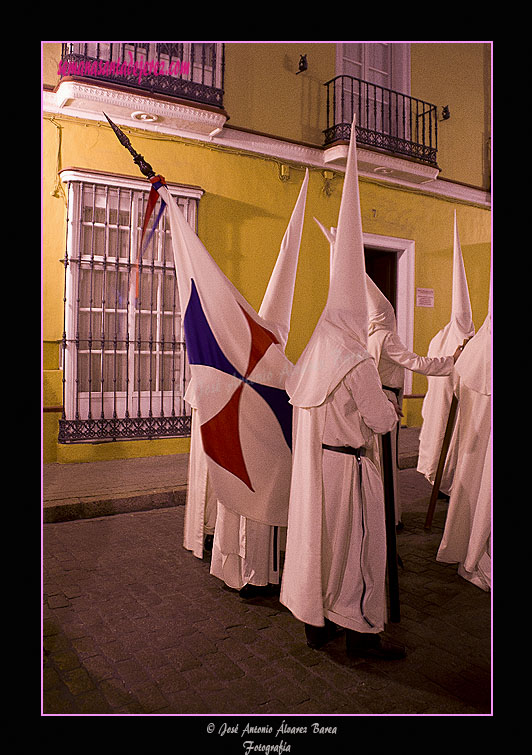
pixel 276 307
pixel 460 326
pixel 381 315
pixel 474 363
pixel 339 340
pixel 380 311
pixel 330 235
pixel 461 306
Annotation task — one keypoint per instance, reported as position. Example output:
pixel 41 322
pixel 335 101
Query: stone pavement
pixel 134 624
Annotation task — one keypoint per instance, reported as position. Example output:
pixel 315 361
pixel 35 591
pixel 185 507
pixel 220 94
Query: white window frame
pixel 376 106
pixel 400 64
pixel 76 403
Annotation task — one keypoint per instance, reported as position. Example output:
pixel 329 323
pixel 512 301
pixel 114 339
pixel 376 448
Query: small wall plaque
pixel 424 297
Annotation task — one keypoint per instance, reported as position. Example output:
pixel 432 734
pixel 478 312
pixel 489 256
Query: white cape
pixel 467 536
pixel 437 402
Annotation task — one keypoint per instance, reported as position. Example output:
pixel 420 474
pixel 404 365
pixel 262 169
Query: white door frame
pixel 405 251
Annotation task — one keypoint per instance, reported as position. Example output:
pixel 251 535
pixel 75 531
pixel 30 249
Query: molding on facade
pixel 80 99
pixel 87 101
pixel 381 165
pixel 125 182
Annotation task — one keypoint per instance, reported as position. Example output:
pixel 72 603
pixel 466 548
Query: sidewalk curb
pixel 109 486
pixel 95 506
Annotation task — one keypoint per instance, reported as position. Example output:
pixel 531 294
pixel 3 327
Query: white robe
pixel 467 535
pixel 392 358
pixel 200 504
pixel 335 562
pixel 246 551
pixel 243 551
pixel 437 402
pixel 435 410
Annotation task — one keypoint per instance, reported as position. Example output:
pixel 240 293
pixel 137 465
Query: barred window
pixel 162 66
pixel 375 88
pixel 124 362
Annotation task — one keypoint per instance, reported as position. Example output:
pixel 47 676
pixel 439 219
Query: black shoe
pixel 317 637
pixel 363 645
pixel 208 542
pixel 258 591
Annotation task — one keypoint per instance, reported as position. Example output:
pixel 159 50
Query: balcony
pixel 179 85
pixel 397 127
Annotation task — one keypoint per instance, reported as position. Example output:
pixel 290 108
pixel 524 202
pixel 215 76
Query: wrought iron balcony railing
pixel 385 119
pixel 186 70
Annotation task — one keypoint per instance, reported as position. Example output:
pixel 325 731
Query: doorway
pixel 381 266
pixel 390 263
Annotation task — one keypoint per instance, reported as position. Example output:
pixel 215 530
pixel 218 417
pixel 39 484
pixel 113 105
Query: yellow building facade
pixel 240 167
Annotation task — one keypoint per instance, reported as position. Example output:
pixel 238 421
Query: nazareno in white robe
pixel 467 535
pixel 200 504
pixel 435 411
pixel 244 551
pixel 335 561
pixel 437 402
pixel 392 358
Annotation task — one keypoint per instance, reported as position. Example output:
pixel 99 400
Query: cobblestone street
pixel 135 624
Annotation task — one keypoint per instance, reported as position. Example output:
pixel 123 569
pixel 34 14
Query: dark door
pixel 381 266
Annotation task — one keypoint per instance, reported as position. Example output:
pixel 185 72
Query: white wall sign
pixel 424 297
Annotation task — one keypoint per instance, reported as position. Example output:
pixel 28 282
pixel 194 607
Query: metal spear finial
pixel 145 168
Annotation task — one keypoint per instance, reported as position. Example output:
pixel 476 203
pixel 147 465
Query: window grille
pixel 124 360
pixel 386 119
pixel 189 70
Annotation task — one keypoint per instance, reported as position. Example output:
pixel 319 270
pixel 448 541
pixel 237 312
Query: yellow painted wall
pixel 429 222
pixel 245 209
pixel 458 75
pixel 51 55
pixel 264 92
pixel 242 218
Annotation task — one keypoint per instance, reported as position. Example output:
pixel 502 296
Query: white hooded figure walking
pixel 335 561
pixel 467 535
pixel 437 402
pixel 392 359
pixel 245 552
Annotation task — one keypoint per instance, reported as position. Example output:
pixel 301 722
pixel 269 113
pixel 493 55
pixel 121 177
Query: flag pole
pixel 391 540
pixel 441 463
pixel 144 167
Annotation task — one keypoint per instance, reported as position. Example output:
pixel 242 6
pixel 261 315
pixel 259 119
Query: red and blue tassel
pixel 156 182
